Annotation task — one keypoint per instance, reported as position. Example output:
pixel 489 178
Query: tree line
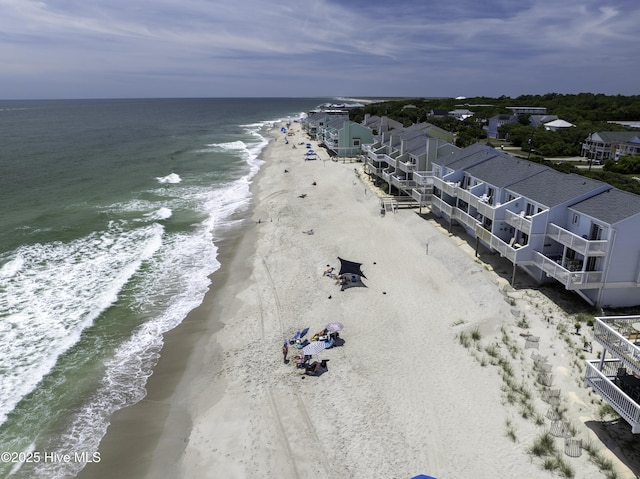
pixel 589 113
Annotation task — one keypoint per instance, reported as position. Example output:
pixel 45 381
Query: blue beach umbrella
pixel 423 476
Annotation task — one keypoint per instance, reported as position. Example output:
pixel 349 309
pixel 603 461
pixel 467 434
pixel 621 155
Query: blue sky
pixel 357 48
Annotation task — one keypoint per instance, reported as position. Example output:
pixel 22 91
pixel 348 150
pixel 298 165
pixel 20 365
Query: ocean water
pixel 110 213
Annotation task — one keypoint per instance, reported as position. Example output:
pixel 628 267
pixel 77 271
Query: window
pixel 596 232
pixel 576 219
pixel 529 210
pixel 356 142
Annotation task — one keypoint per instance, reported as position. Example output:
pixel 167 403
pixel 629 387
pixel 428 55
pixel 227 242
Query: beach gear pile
pixel 306 349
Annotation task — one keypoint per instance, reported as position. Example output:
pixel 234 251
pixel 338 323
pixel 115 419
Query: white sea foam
pixel 178 272
pixel 172 178
pixel 177 277
pixel 59 291
pixel 159 215
pixel 232 145
pixel 12 267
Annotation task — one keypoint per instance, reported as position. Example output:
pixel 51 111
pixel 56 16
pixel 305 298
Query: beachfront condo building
pixel 556 227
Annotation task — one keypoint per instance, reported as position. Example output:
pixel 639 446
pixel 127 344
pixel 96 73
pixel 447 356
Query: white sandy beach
pixel 402 396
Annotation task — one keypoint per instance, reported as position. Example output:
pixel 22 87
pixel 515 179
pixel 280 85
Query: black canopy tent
pixel 351 269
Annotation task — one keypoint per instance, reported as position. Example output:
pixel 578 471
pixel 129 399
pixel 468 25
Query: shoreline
pixel 405 394
pixel 147 439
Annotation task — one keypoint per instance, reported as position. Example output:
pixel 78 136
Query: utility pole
pixel 591 156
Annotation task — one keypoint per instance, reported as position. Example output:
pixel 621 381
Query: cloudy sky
pixel 249 48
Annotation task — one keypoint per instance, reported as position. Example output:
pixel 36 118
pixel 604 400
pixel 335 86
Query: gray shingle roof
pixel 467 152
pixel 610 207
pixel 616 136
pixel 552 188
pixel 504 170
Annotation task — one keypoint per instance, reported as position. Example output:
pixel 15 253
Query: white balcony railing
pixel 486 210
pixel 465 218
pixel 605 386
pixel 442 206
pixel 466 196
pixel 421 195
pixel 518 221
pixel 517 255
pixel 390 161
pixel 581 245
pixel 570 279
pixel 450 188
pixel 406 166
pixel 423 177
pixel 618 335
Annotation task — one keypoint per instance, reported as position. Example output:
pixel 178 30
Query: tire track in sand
pixel 301 408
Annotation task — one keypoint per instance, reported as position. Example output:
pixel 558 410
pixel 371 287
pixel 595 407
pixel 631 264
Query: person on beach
pixel 329 272
pixel 285 351
pixel 301 361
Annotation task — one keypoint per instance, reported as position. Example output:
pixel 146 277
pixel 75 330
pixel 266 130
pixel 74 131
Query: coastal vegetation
pixel 589 113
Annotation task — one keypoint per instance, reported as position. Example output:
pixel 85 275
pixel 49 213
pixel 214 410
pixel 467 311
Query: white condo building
pixel 554 226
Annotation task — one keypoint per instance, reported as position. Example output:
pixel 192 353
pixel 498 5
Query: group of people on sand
pixel 302 361
pixel 339 278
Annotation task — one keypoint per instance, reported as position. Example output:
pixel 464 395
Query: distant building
pixel 496 121
pixel 604 145
pixel 316 120
pixel 461 114
pixel 344 137
pixel 531 110
pixel 539 120
pixel 380 124
pixel 557 125
pixel 438 113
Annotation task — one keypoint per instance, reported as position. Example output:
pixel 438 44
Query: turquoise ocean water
pixel 110 212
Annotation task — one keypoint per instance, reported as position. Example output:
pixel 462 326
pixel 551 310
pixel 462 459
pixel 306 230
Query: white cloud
pixel 356 44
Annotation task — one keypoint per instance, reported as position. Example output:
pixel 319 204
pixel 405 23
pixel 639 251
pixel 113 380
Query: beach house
pixel 398 155
pixel 315 121
pixel 496 121
pixel 554 226
pixel 603 145
pixel 343 137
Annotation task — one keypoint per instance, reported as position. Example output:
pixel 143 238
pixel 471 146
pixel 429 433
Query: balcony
pixel 373 156
pixel 442 206
pixel 401 182
pixel 447 187
pixel 605 386
pixel 390 161
pixel 569 279
pixel 465 218
pixel 423 177
pixel 467 197
pixel 406 166
pixel 620 335
pixel 580 245
pixel 422 194
pixel 486 210
pixel 515 255
pixel 519 222
pixel 616 379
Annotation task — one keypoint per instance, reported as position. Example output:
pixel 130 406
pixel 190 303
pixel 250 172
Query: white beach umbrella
pixel 314 348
